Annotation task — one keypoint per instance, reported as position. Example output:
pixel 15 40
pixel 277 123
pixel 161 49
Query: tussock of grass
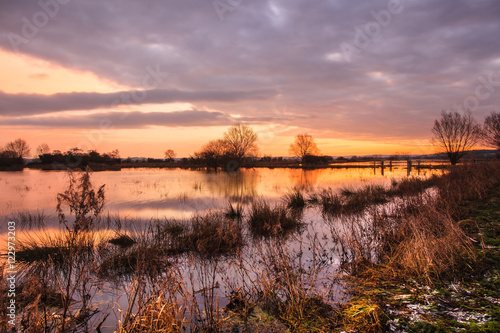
pixel 295 200
pixel 213 235
pixel 142 259
pixel 234 213
pixel 349 200
pixel 54 250
pixel 286 290
pixel 122 241
pixel 330 202
pixel 411 185
pixel 427 244
pixel 267 221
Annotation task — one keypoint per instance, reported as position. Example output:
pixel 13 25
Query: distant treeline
pixel 77 158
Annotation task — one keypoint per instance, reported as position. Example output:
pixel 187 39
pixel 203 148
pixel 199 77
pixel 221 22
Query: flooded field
pixel 159 193
pixel 200 242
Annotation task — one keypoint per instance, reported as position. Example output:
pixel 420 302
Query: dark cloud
pixel 134 119
pixel 30 104
pixel 429 56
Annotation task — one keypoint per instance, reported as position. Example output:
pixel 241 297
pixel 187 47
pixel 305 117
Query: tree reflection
pixel 239 186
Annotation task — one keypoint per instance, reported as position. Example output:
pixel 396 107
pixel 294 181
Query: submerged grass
pixel 295 200
pixel 234 213
pixel 350 200
pixel 213 235
pixel 268 221
pixel 122 240
pixel 29 220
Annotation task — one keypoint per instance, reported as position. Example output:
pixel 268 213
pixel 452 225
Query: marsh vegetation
pixel 287 262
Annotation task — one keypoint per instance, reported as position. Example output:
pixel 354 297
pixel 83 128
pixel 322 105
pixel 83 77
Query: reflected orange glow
pixel 159 193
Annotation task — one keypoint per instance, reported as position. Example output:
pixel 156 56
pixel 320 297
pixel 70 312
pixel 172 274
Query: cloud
pixel 429 57
pixel 134 119
pixel 31 104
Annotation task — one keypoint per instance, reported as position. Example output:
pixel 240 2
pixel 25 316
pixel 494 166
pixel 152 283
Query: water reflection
pixel 304 180
pixel 236 186
pixel 160 193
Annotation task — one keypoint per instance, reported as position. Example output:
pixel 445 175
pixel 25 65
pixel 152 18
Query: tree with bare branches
pixel 213 152
pixel 491 130
pixel 240 141
pixel 170 154
pixel 17 149
pixel 42 149
pixel 455 134
pixel 303 146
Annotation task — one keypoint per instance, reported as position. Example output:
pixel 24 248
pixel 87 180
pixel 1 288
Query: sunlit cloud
pixel 430 56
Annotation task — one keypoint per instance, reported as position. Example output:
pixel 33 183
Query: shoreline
pixel 246 165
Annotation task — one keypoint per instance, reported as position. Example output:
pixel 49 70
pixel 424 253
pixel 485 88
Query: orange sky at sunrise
pixel 27 74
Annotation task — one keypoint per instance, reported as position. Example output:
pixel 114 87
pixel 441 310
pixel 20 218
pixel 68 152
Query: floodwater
pixel 178 193
pixel 142 195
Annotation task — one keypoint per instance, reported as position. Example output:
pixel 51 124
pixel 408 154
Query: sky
pixel 361 77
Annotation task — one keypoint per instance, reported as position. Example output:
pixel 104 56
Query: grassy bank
pixel 440 270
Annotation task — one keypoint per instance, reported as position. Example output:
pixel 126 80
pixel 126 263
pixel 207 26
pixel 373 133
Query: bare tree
pixel 42 149
pixel 491 130
pixel 212 152
pixel 303 145
pixel 240 141
pixel 170 154
pixel 17 149
pixel 455 134
pixel 115 154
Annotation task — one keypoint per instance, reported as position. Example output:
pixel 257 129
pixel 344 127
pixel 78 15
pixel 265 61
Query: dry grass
pixel 295 200
pixel 464 183
pixel 427 244
pixel 163 309
pixel 234 213
pixel 213 235
pixel 418 236
pixel 267 221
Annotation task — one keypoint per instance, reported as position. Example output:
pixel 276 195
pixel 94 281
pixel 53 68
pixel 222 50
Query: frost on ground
pixel 463 305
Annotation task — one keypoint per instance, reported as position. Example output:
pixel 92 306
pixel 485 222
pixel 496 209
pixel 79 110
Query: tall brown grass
pixel 418 235
pixel 266 220
pixel 164 308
